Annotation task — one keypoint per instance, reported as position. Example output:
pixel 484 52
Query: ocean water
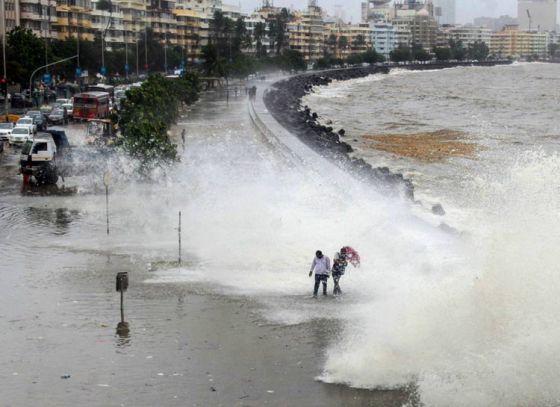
pixel 504 111
pixel 474 324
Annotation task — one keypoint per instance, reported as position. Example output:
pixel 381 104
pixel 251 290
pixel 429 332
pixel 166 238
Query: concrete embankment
pixel 284 103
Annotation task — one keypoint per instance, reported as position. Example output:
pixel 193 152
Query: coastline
pixel 284 102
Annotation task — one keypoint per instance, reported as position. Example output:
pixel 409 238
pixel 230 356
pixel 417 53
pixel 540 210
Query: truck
pixel 46 157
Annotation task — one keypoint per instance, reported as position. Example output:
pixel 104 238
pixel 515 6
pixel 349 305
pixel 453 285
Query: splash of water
pixel 484 332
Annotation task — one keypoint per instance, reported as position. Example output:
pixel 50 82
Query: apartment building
pixel 386 37
pixel 251 24
pixel 38 16
pixel 422 26
pixel 468 35
pixel 306 32
pixel 74 19
pixel 189 24
pixel 109 22
pixel 511 42
pixel 358 38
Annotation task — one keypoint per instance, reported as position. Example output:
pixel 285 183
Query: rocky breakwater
pixel 284 102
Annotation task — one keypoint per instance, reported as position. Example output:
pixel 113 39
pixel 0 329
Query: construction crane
pixel 530 19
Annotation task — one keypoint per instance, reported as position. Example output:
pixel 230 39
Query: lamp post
pixel 137 58
pixel 3 6
pixel 46 66
pixel 110 6
pixel 146 48
pixel 165 54
pixel 125 54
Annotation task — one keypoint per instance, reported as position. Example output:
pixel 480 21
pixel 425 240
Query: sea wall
pixel 283 101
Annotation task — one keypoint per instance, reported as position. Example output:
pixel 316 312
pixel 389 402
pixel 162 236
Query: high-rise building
pixel 420 22
pixel 306 32
pixel 445 11
pixel 537 15
pixel 387 37
pixel 74 19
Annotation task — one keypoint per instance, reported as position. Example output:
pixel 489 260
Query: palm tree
pixel 359 41
pixel 331 42
pixel 259 33
pixel 343 43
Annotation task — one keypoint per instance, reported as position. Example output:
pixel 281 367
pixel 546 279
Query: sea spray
pixel 486 332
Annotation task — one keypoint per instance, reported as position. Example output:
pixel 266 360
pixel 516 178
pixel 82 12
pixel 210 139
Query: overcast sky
pixel 466 9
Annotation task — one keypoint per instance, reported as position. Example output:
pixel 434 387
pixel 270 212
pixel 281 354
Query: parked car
pixel 62 101
pixel 19 101
pixel 38 119
pixel 27 122
pixel 20 135
pixel 5 130
pixel 56 116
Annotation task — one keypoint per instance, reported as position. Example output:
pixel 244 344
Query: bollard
pixel 106 182
pixel 179 237
pixel 122 286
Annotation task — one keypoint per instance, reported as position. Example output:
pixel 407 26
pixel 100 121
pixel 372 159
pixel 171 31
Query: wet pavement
pixel 187 344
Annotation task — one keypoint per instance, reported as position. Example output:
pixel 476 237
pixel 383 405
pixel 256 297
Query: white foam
pixel 484 332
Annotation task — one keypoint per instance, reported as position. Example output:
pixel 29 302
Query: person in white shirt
pixel 321 266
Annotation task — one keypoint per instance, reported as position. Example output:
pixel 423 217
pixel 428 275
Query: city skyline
pixel 465 13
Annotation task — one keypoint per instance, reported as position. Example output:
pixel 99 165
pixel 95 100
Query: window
pixel 40 147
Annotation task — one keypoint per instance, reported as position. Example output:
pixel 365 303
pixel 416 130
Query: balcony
pixel 27 15
pixel 38 2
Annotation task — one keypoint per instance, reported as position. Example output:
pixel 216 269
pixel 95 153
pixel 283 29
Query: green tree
pixel 259 33
pixel 278 29
pixel 359 41
pixel 214 64
pixel 25 52
pixel 332 45
pixel 442 54
pixel 458 51
pixel 554 50
pixel 241 39
pixel 343 42
pixel 401 53
pixel 221 34
pixel 147 114
pixel 292 60
pixel 478 50
pixel 371 56
pixel 419 53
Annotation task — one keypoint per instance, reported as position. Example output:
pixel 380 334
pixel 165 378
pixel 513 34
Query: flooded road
pixel 224 328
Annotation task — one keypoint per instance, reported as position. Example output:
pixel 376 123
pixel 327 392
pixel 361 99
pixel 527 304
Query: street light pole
pixel 165 53
pixel 103 37
pixel 46 66
pixel 137 57
pixel 146 48
pixel 126 54
pixel 3 5
pixel 77 43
